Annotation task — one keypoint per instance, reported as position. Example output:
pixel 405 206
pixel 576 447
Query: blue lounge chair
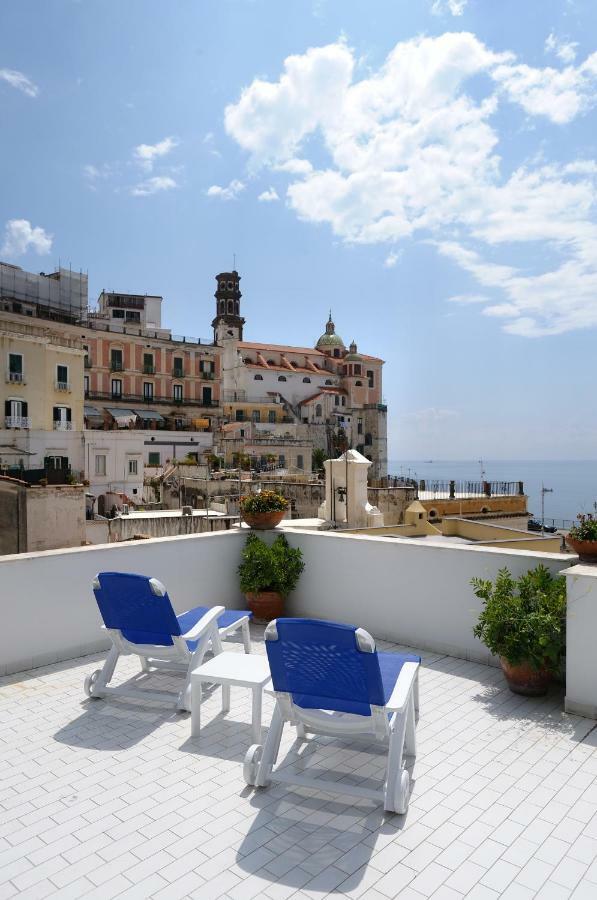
pixel 140 620
pixel 328 678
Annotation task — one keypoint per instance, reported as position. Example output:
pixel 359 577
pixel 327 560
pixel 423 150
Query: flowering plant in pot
pixel 268 574
pixel 523 621
pixel 263 510
pixel 582 538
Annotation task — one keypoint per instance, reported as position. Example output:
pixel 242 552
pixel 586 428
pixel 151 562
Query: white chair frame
pixel 173 658
pixel 393 725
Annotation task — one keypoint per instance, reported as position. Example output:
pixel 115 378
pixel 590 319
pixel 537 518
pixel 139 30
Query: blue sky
pixel 427 170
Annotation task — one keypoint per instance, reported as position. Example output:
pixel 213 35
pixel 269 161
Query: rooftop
pixel 115 799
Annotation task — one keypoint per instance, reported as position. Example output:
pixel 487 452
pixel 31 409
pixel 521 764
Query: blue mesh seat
pixel 328 678
pixel 140 619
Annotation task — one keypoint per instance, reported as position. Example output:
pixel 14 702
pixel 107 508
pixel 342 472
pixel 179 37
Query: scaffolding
pixel 62 293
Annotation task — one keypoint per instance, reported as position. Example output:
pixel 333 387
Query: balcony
pixel 149 370
pixel 504 798
pixel 62 386
pixel 157 398
pixel 116 366
pixel 87 363
pixel 207 376
pixel 178 373
pixel 17 422
pixel 15 378
pixel 59 425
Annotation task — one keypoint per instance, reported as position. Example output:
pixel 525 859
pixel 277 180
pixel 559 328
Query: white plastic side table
pixel 230 669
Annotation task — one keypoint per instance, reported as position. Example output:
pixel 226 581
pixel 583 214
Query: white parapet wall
pixel 47 608
pixel 581 632
pixel 409 591
pixel 413 592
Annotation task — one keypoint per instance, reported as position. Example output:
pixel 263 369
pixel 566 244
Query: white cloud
pixel 19 81
pixel 20 237
pixel 268 196
pixel 469 299
pixel 564 50
pixel 455 7
pixel 392 259
pixel 146 154
pixel 230 192
pixel 411 152
pixel 153 186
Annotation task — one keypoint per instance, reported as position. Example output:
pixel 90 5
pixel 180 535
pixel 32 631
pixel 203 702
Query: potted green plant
pixel 523 621
pixel 268 574
pixel 582 538
pixel 264 509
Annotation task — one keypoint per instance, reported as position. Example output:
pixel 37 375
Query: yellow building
pixel 42 388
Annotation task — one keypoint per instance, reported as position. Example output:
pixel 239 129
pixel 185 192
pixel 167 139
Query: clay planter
pixel 266 605
pixel 587 550
pixel 523 679
pixel 262 521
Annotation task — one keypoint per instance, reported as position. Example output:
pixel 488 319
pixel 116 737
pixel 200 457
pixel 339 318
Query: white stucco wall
pixel 581 628
pixel 401 590
pixel 293 389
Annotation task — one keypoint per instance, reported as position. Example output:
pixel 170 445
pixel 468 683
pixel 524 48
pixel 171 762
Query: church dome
pixel 353 355
pixel 329 339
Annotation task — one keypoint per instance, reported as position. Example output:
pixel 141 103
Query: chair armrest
pixel 403 687
pixel 204 624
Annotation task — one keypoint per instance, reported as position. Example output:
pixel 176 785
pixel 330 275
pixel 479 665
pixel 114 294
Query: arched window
pixel 230 306
pixel 258 378
pixel 343 401
pixel 368 440
pixel 306 380
pixel 271 362
pixel 358 384
pixel 247 360
pixel 318 411
pixel 222 285
pixel 281 377
pixel 336 353
pixel 327 381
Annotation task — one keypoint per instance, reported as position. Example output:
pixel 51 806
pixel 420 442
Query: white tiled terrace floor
pixel 114 799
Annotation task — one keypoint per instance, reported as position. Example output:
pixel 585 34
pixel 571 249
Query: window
pixel 62 378
pixel 306 380
pixel 148 366
pixel 86 383
pixel 15 412
pixel 281 377
pixel 207 366
pixel 271 416
pixel 357 369
pixel 133 467
pixel 336 400
pixel 258 378
pixel 206 398
pixel 178 367
pixel 368 440
pixel 177 392
pixel 154 459
pixel 281 460
pixel 318 411
pixel 360 426
pixel 132 316
pixel 147 390
pixel 116 360
pixel 116 388
pixel 343 401
pixel 62 418
pixel 15 367
pixel 336 353
pixel 256 415
pixel 100 463
pixel 271 362
pixel 327 381
pixel 358 384
pixel 299 461
pixel 240 415
pixel 371 377
pixel 118 314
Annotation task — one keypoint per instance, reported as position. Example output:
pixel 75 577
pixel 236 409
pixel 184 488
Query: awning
pixel 91 411
pixel 123 417
pixel 201 423
pixel 149 414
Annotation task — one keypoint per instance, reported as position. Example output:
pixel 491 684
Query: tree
pixel 317 460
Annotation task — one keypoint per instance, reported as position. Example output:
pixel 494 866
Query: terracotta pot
pixel 587 550
pixel 262 521
pixel 524 679
pixel 266 605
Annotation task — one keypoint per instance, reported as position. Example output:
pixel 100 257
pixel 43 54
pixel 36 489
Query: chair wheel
pixel 90 682
pixel 401 792
pixel 251 763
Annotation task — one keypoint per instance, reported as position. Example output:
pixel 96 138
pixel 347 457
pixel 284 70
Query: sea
pixel 572 483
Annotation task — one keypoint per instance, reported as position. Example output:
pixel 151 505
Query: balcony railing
pixel 157 398
pixel 178 373
pixel 15 377
pixel 59 425
pixel 17 422
pixel 149 370
pixel 62 385
pixel 87 363
pixel 207 376
pixel 116 366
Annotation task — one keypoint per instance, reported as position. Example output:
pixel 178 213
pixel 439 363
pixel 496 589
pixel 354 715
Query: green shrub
pixel 265 501
pixel 264 568
pixel 524 619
